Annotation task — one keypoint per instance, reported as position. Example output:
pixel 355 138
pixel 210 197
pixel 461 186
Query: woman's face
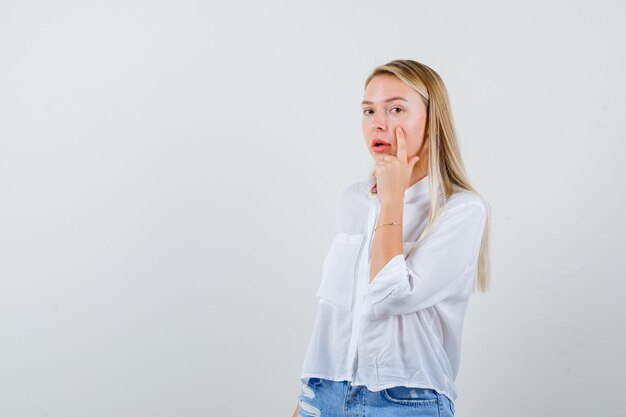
pixel 389 103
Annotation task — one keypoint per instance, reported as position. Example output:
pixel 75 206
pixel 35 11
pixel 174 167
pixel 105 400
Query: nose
pixel 379 123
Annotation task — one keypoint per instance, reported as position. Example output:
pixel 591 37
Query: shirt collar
pixel 420 187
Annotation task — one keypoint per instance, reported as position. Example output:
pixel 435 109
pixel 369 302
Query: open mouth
pixel 380 146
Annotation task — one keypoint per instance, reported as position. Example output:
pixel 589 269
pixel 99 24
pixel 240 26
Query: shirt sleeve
pixel 432 271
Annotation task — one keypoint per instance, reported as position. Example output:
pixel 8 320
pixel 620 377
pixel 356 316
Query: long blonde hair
pixel 446 171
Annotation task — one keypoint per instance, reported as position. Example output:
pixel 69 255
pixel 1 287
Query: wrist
pixel 391 211
pixel 392 202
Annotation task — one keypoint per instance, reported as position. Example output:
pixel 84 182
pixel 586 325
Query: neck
pixel 419 172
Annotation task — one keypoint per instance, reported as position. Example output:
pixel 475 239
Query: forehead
pixel 385 86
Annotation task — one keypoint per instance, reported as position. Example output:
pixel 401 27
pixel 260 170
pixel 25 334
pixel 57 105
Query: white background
pixel 169 173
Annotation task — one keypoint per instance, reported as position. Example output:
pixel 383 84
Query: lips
pixel 379 142
pixel 380 146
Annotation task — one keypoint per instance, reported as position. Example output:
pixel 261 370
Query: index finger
pixel 401 145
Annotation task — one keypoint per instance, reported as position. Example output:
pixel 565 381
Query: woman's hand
pixel 393 173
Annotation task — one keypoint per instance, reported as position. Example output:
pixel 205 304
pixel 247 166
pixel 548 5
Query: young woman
pixel 412 244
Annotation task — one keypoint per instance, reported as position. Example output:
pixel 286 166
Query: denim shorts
pixel 325 398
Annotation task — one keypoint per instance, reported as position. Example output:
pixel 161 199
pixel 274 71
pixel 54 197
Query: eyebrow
pixel 386 101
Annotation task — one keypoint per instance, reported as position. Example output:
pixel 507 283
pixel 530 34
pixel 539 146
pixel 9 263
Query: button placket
pixel 362 282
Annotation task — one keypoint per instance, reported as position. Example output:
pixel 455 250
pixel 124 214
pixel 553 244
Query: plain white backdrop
pixel 169 173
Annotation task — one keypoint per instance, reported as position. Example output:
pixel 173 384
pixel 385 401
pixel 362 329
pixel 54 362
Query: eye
pixel 399 108
pixel 366 111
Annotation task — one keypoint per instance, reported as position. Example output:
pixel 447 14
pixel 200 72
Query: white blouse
pixel 405 327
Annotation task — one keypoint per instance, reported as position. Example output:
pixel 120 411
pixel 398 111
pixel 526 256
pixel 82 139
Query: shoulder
pixel 352 207
pixel 465 202
pixel 354 193
pixel 464 214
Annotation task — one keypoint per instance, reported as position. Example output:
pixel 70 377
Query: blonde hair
pixel 445 165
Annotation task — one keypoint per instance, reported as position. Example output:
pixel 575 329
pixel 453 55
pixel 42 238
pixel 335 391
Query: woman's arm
pixel 387 240
pixel 433 270
pixel 393 175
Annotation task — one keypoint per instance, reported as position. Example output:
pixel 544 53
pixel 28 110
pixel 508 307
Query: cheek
pixel 364 127
pixel 413 143
pixel 411 125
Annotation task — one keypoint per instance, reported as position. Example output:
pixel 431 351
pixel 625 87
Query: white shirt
pixel 405 327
